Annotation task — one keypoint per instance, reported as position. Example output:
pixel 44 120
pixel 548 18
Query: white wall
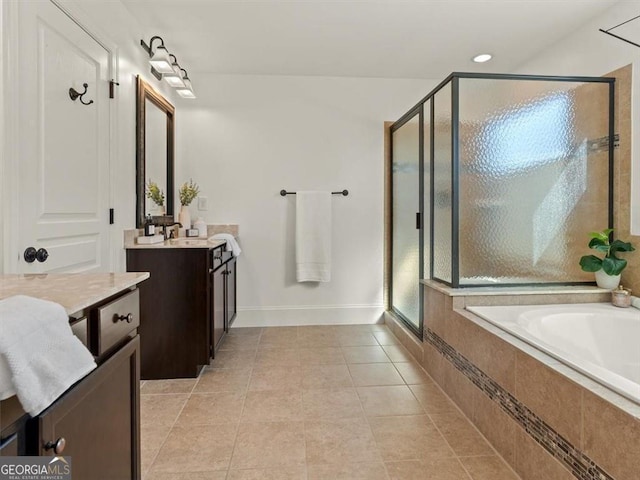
pixel 112 23
pixel 590 52
pixel 247 137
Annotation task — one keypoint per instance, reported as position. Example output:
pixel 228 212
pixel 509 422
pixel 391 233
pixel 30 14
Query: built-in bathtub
pixel 597 339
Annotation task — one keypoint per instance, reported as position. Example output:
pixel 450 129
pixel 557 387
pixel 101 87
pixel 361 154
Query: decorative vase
pixel 185 217
pixel 608 282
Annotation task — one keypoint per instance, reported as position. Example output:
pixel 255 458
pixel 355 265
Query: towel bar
pixel 344 192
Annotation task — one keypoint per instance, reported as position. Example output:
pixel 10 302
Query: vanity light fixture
pixel 175 77
pixel 483 57
pixel 187 91
pixel 165 65
pixel 160 61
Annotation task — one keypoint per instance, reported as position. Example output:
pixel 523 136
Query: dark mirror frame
pixel 146 92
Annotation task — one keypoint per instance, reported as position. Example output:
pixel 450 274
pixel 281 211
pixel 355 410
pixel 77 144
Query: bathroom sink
pixel 188 241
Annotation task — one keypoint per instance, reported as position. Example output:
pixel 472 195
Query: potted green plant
pixel 156 195
pixel 609 268
pixel 188 192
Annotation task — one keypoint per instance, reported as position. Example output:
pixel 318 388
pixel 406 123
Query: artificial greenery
pixel 611 264
pixel 155 194
pixel 188 191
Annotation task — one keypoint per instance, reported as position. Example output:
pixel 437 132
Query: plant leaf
pixel 603 235
pixel 620 246
pixel 590 263
pixel 613 265
pixel 595 243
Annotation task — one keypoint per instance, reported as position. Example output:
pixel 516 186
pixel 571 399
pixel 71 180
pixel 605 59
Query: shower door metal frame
pixel 417 110
pixel 453 78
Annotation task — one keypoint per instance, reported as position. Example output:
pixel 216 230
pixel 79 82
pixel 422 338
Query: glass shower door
pixel 406 257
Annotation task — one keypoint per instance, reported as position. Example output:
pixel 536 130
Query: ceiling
pixel 359 38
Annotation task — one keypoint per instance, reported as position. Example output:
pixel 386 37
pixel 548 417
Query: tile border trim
pixel 573 459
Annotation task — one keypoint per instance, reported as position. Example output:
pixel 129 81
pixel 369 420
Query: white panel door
pixel 63 169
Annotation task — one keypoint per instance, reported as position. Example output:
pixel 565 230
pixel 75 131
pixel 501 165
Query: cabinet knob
pixel 124 318
pixel 57 446
pixel 42 255
pixel 29 255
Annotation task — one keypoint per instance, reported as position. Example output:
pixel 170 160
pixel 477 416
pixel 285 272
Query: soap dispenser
pixel 149 227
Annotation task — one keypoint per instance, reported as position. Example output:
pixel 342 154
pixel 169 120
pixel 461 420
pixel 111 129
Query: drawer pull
pixel 57 446
pixel 123 318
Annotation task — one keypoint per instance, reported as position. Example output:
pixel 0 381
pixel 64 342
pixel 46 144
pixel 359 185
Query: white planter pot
pixel 609 282
pixel 185 217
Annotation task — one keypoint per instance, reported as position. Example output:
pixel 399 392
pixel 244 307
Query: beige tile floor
pixel 318 402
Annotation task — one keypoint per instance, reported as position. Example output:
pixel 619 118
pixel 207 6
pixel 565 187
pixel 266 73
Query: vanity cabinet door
pixel 231 292
pixel 217 307
pixel 98 420
pixel 9 446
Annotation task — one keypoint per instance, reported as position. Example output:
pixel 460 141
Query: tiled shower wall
pixel 622 178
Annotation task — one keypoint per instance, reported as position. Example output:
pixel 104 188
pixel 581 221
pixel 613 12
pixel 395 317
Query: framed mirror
pixel 154 151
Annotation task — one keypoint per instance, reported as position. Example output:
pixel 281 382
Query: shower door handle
pixel 418 221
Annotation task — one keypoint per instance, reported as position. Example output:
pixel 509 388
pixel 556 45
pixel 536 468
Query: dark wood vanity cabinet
pixel 223 308
pixel 218 317
pixel 12 428
pixel 98 420
pixel 230 295
pixel 184 307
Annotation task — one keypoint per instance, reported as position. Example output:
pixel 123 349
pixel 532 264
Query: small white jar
pixel 200 226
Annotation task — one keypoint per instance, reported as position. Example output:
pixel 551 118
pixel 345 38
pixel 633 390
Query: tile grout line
pixel 574 460
pixel 252 366
pixel 167 436
pixel 460 412
pixel 244 401
pixel 473 425
pixel 176 419
pixel 386 470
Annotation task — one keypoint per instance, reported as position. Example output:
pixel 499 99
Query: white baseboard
pixel 308 315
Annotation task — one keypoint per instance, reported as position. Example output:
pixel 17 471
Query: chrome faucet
pixel 166 227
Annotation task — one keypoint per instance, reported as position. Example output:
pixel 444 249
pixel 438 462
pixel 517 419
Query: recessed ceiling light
pixel 483 57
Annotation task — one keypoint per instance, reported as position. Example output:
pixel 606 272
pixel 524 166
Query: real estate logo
pixel 35 468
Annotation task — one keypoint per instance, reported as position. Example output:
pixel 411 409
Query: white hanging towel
pixel 313 236
pixel 44 357
pixel 232 243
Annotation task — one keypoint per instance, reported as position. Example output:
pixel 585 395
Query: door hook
pixel 74 94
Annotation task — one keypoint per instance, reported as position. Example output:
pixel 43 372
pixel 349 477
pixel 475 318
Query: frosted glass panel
pixel 426 209
pixel 405 291
pixel 533 178
pixel 442 185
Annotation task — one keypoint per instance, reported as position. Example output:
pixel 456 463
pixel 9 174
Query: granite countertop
pixel 518 290
pixel 182 242
pixel 74 291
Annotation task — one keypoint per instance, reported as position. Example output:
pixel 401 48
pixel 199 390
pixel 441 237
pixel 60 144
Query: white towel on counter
pixel 6 385
pixel 232 243
pixel 313 236
pixel 44 356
